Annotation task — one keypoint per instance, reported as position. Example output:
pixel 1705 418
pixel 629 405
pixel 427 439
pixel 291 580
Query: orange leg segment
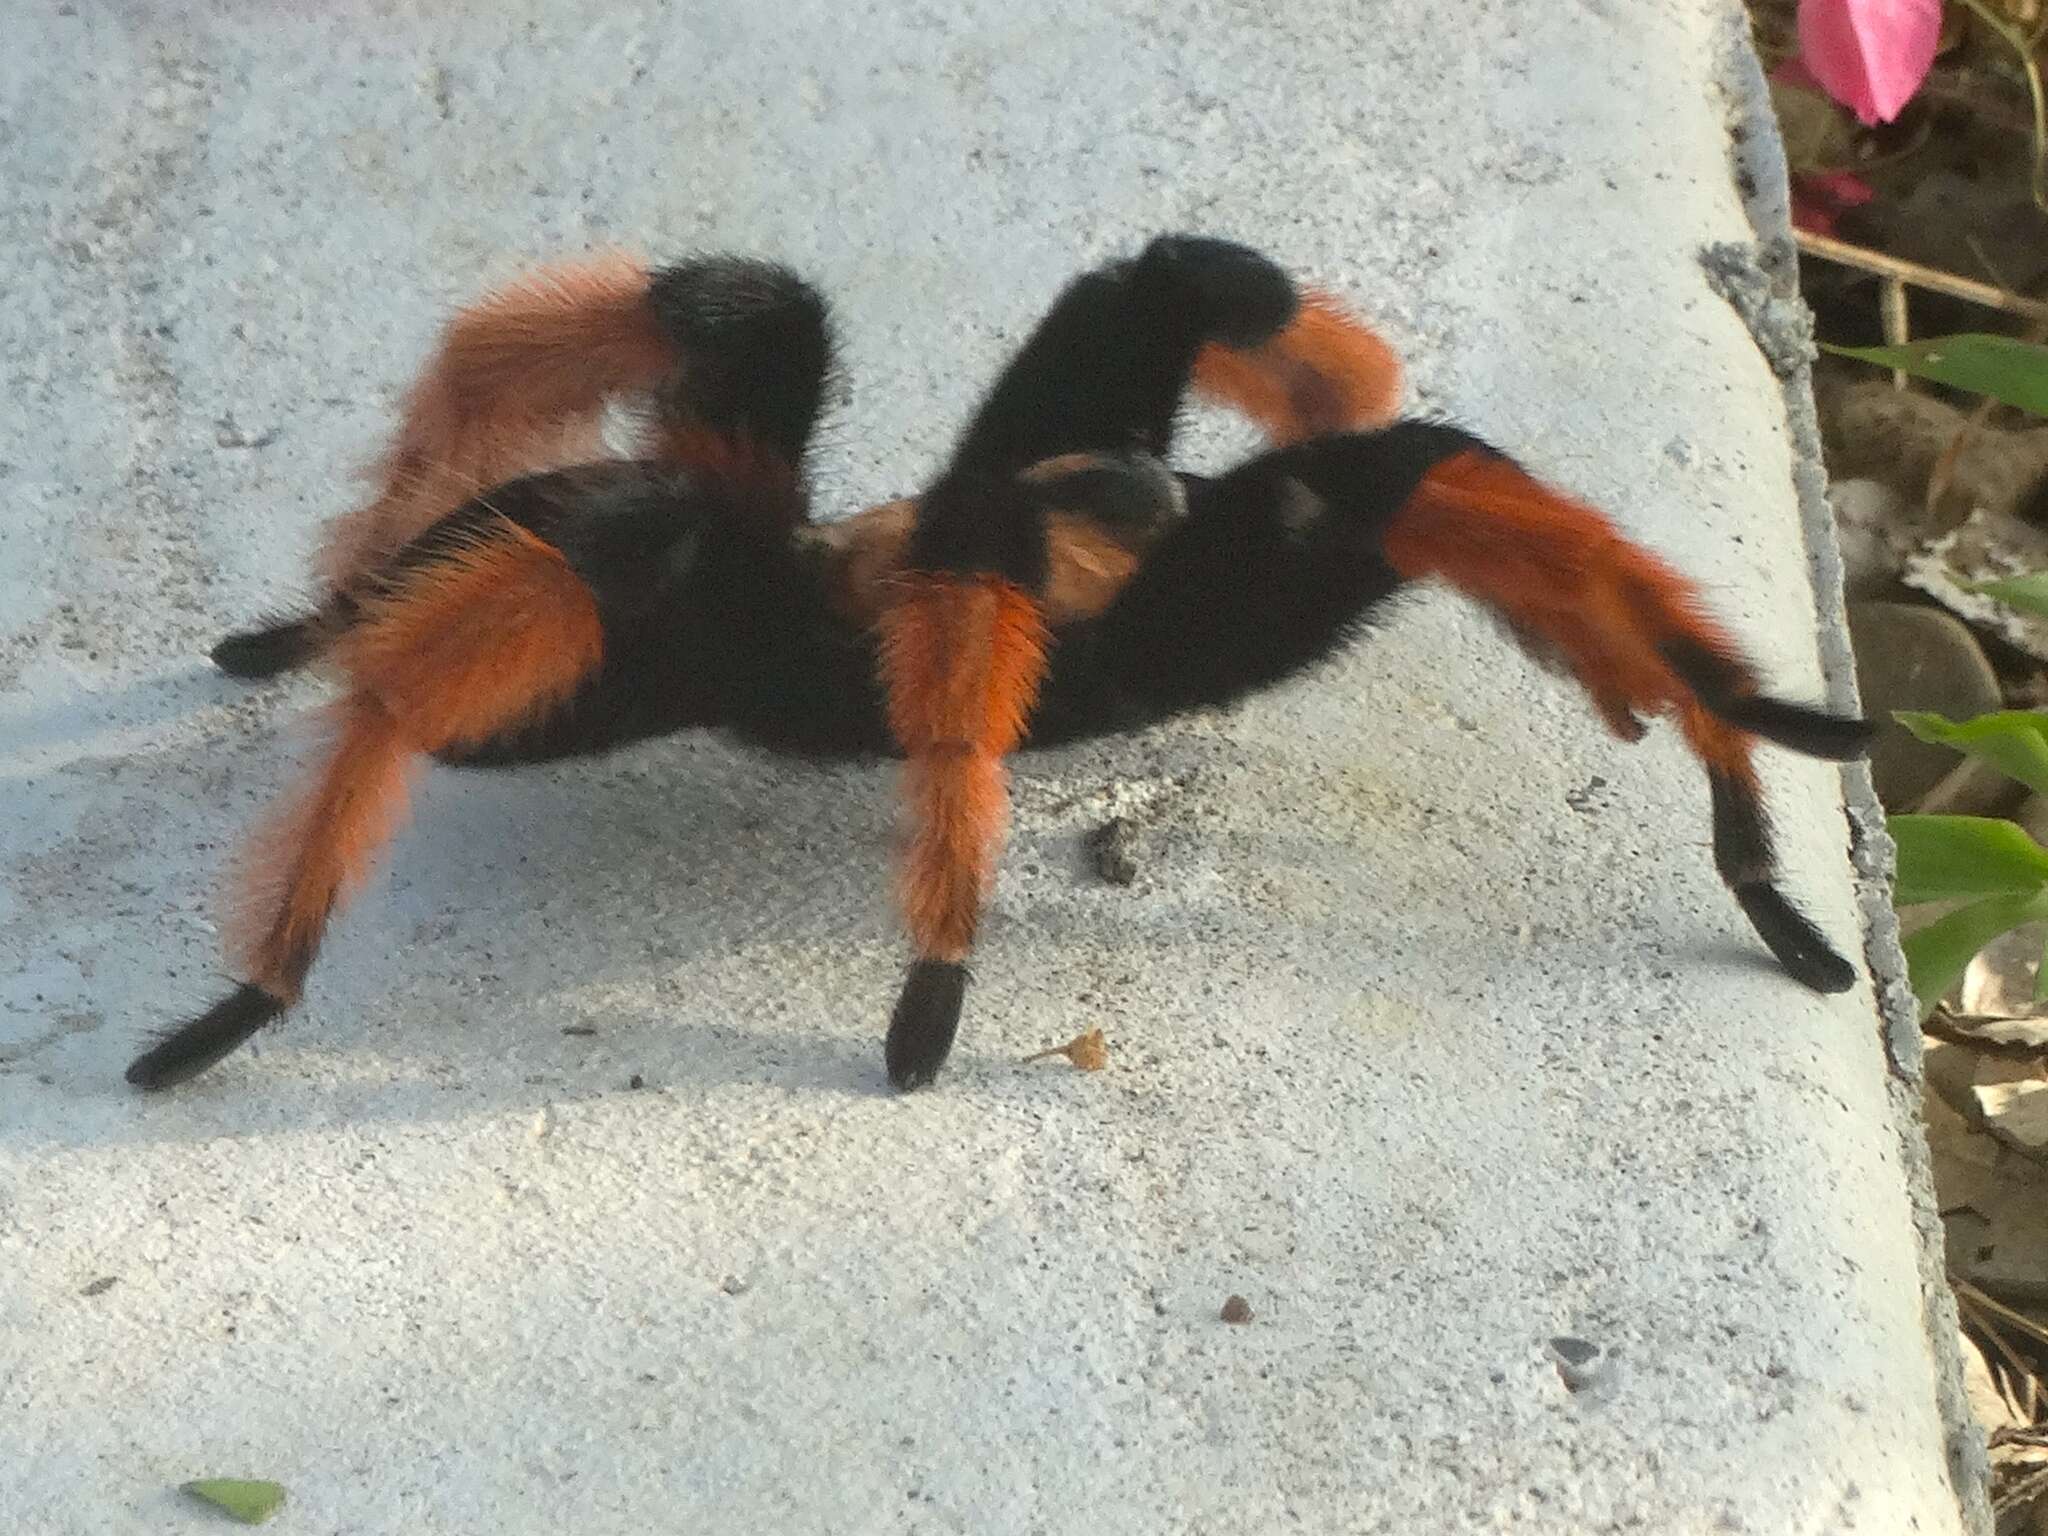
pixel 962 659
pixel 1636 635
pixel 515 386
pixel 482 640
pixel 1325 372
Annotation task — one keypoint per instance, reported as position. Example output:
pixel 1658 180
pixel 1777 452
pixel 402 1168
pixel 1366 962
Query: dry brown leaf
pixel 1089 1052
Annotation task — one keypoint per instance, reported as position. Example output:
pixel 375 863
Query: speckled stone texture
pixel 1434 1038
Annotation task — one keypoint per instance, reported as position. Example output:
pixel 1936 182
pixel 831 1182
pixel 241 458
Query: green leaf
pixel 1999 366
pixel 1945 857
pixel 2014 740
pixel 1937 955
pixel 252 1503
pixel 2029 594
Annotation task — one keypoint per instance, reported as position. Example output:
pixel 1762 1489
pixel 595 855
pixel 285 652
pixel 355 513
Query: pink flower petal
pixel 1870 55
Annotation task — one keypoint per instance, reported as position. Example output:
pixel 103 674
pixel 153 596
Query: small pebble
pixel 636 1081
pixel 1237 1310
pixel 1111 847
pixel 1582 1365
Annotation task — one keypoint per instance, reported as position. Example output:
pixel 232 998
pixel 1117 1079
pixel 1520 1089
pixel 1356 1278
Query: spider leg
pixel 1285 558
pixel 285 643
pixel 961 622
pixel 737 353
pixel 493 632
pixel 1106 368
pixel 1638 636
pixel 1052 494
pixel 564 614
pixel 1325 371
pixel 962 654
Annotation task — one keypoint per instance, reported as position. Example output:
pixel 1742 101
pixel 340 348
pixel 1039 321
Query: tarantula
pixel 1056 580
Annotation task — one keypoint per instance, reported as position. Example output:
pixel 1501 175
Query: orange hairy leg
pixel 1636 635
pixel 962 657
pixel 1292 554
pixel 1325 371
pixel 515 386
pixel 733 354
pixel 477 639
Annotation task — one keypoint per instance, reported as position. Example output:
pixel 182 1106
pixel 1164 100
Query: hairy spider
pixel 1055 581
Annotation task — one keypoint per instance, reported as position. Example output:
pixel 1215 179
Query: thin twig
pixel 1943 1025
pixel 2025 1491
pixel 1970 1302
pixel 1984 260
pixel 1897 322
pixel 1827 248
pixel 2019 1320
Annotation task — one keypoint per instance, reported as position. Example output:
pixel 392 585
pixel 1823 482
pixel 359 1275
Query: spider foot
pixel 926 1019
pixel 265 652
pixel 1807 957
pixel 192 1047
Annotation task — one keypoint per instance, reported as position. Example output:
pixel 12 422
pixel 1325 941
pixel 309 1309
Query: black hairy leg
pixel 191 1048
pixel 278 646
pixel 1106 369
pixel 754 355
pixel 284 644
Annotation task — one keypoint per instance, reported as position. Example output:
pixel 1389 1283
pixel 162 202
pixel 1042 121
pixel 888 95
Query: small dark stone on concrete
pixel 1110 846
pixel 1581 1364
pixel 1237 1310
pixel 1575 1351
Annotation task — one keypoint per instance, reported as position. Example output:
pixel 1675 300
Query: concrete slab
pixel 1434 1036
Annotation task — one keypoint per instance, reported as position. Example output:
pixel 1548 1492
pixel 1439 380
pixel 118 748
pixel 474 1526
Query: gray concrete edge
pixel 1783 329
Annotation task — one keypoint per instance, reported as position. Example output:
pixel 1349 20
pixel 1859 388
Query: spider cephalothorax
pixel 510 596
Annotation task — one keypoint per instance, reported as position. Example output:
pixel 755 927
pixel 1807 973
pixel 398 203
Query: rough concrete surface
pixel 1434 1038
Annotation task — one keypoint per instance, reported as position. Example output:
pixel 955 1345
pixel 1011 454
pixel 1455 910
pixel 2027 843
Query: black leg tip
pixel 1243 298
pixel 256 653
pixel 926 1019
pixel 1809 958
pixel 1839 738
pixel 191 1048
pixel 1724 686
